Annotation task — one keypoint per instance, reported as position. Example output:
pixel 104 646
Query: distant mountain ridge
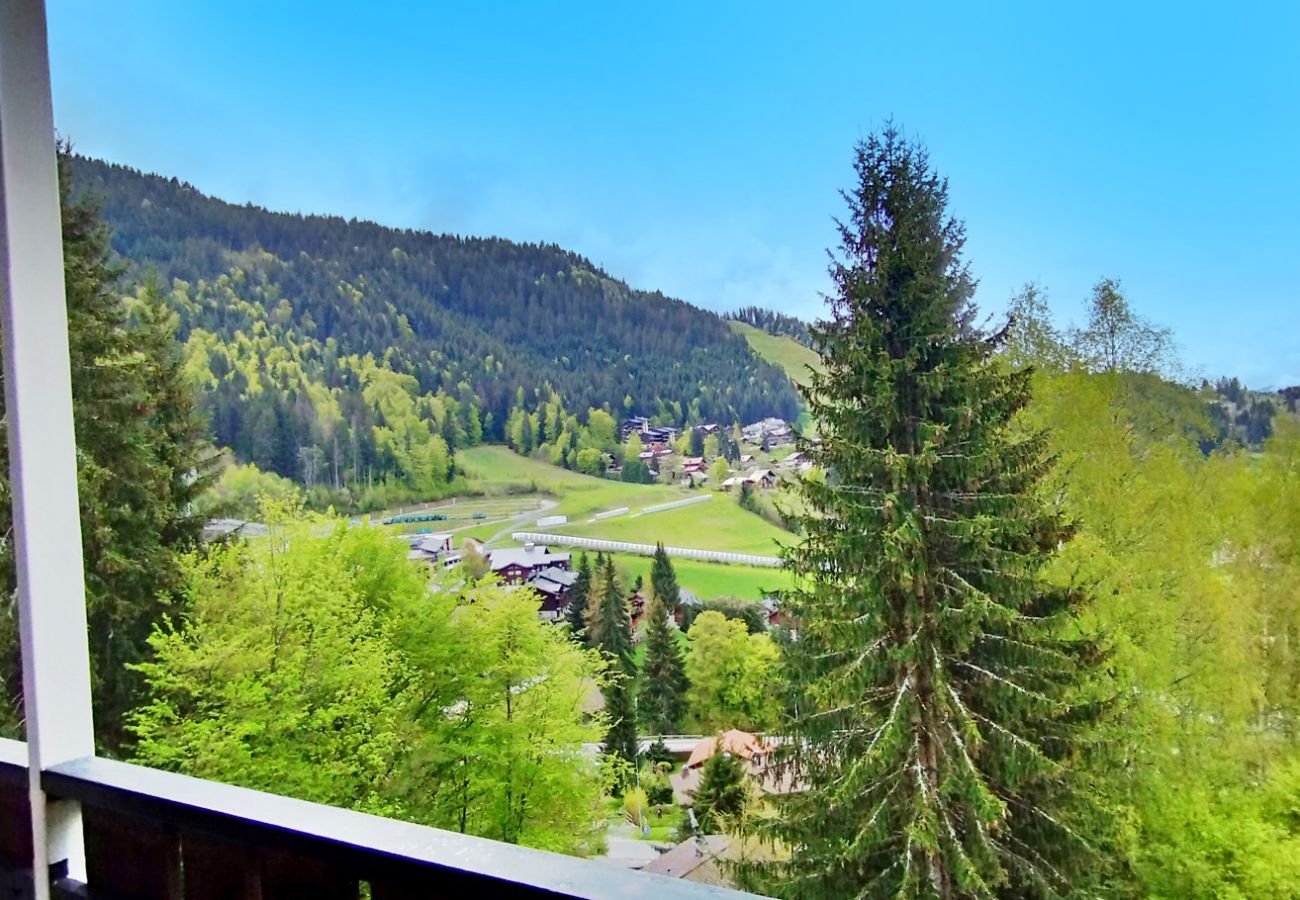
pixel 485 316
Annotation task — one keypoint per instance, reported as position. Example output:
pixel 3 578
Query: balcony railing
pixel 74 825
pixel 152 835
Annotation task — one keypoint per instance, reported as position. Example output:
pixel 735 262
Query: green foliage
pixel 940 686
pixel 279 303
pixel 620 741
pixel 241 491
pixel 749 612
pixel 279 677
pixel 609 619
pixel 722 793
pixel 718 472
pixel 142 462
pixel 663 675
pixel 636 804
pixel 663 580
pixel 323 667
pixel 730 673
pixel 579 598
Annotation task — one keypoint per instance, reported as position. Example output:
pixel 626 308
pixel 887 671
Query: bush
pixel 658 789
pixel 635 805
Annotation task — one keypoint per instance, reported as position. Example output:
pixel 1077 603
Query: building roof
pixel 737 743
pixel 524 557
pixel 692 859
pixel 432 543
pixel 561 577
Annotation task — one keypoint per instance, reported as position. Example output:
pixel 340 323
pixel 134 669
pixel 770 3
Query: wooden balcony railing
pixel 153 835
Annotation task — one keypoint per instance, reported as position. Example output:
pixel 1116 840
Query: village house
pixel 693 465
pixel 754 753
pixel 516 565
pixel 769 428
pixel 432 548
pixel 650 434
pixel 761 478
pixel 555 586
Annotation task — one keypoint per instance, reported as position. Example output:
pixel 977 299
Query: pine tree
pixel 621 739
pixel 609 621
pixel 663 578
pixel 142 459
pixel 663 676
pixel 722 792
pixel 938 685
pixel 609 629
pixel 578 599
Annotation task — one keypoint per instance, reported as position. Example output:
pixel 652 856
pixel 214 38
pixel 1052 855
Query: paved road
pixel 524 518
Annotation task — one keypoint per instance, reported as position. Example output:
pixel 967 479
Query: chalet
pixel 637 604
pixel 732 482
pixel 693 464
pixel 746 459
pixel 555 585
pixel 761 478
pixel 518 564
pixel 754 753
pixel 710 428
pixel 755 432
pixel 640 425
pixel 431 547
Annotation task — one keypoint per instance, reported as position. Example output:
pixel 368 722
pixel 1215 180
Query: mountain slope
pixel 782 350
pixel 494 314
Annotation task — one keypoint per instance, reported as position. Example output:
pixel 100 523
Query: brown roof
pixel 693 860
pixel 737 743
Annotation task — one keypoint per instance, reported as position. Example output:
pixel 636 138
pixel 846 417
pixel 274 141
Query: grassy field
pixel 719 524
pixel 495 469
pixel 710 580
pixel 782 351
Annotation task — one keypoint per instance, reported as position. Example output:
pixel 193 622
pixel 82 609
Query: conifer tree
pixel 722 792
pixel 578 599
pixel 663 578
pixel 609 622
pixel 609 629
pixel 142 460
pixel 620 709
pixel 663 676
pixel 939 686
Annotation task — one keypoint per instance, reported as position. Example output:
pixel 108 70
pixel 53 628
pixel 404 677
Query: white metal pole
pixel 42 450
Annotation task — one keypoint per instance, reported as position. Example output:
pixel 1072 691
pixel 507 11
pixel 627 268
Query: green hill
pixel 780 350
pixel 340 351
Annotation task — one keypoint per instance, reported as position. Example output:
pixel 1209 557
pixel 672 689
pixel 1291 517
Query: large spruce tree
pixel 142 459
pixel 579 596
pixel 609 629
pixel 663 578
pixel 609 620
pixel 938 684
pixel 663 676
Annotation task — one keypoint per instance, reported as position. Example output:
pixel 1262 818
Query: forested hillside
pixel 340 352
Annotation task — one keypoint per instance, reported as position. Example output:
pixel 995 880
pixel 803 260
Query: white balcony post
pixel 42 450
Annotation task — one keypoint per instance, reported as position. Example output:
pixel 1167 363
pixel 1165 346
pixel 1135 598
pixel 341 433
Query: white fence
pixel 610 514
pixel 548 521
pixel 676 504
pixel 718 556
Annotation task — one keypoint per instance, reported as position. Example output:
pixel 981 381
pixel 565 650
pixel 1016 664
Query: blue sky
pixel 699 148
